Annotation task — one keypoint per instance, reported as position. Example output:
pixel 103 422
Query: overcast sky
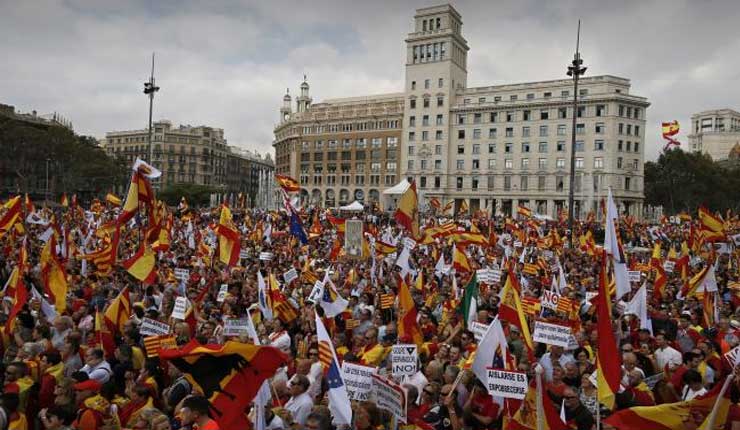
pixel 227 63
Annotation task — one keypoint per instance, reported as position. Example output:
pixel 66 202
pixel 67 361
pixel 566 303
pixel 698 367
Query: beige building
pixel 340 150
pixel 715 132
pixel 494 147
pixel 196 155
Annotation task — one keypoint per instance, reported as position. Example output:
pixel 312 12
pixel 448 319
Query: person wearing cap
pixel 92 407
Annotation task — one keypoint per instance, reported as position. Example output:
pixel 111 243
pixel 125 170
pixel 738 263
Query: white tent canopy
pixel 354 206
pixel 398 189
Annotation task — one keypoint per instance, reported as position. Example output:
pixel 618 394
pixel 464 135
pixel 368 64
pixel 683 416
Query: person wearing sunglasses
pixel 575 413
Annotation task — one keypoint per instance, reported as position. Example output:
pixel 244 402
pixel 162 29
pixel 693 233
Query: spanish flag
pixel 407 325
pixel 142 265
pixel 139 190
pixel 407 213
pixel 383 248
pixel 228 238
pixel 53 275
pixel 712 227
pixel 463 209
pixel 526 417
pixel 12 213
pixel 19 297
pixel 338 223
pixel 609 368
pixel 118 312
pixel 656 263
pixel 287 183
pixel 524 211
pixel 65 200
pixel 29 205
pixel 460 261
pixel 113 199
pixel 435 203
pixel 463 238
pixel 228 375
pixel 512 311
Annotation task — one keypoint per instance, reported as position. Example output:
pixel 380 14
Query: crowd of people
pixel 71 368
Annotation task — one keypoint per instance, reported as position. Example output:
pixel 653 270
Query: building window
pixel 437 164
pixel 526 115
pixel 461 118
pixel 491 133
pixel 426 102
pixel 413 85
pixel 474 183
pixel 412 104
pixel 424 136
pixel 562 130
pixel 559 183
pixel 581 111
pixel 600 128
pixel 491 163
pixel 423 164
pixel 460 149
pixel 438 135
pixel 542 165
pixel 461 134
pixel 508 147
pixel 510 116
pixel 627 183
pixel 619 145
pixel 412 121
pixel 490 183
pixel 426 84
pixel 525 132
pixel 525 146
pixel 440 101
pixel 525 163
pixel 629 146
pixel 411 150
pixel 509 131
pixel 560 163
pixel 580 128
pixel 619 162
pixel 460 164
pixel 508 164
pixel 439 120
pixel 491 148
pixel 579 146
pixel 476 148
pixel 629 128
pixel 476 164
pixel 507 183
pixel 578 183
pixel 600 110
pixel 412 136
pixel 437 182
pixel 524 183
pixel 541 183
pixel 621 110
pixel 637 130
pixel 437 149
pixel 544 114
pixel 637 146
pixel 543 130
pixel 440 83
pixel 425 120
pixel 476 118
pixel 476 133
pixel 493 116
pixel 410 165
pixel 530 96
pixel 459 182
pixel 562 113
pixel 598 163
pixel 598 145
pixel 621 128
pixel 542 147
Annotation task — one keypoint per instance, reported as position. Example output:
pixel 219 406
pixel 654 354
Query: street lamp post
pixel 150 89
pixel 575 70
pixel 47 181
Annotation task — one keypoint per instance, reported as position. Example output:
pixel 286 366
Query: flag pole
pixel 715 409
pixel 540 406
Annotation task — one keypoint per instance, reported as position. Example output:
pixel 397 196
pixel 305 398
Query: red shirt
pixel 483 404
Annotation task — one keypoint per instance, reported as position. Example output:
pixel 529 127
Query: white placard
pixel 549 300
pixel 403 360
pixel 547 254
pixel 235 326
pixel 518 244
pixel 290 275
pixel 243 254
pixel 479 330
pixel 495 276
pixel 359 380
pixel 353 238
pixel 733 355
pixel 483 275
pixel 634 275
pixel 409 243
pixel 182 274
pixel 181 306
pixel 511 385
pixel 266 256
pixel 389 396
pixel 552 334
pixel 222 293
pixel 669 265
pixel 316 292
pixel 150 327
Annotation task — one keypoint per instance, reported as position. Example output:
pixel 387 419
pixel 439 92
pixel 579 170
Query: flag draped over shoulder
pixel 339 405
pixel 228 238
pixel 609 368
pixel 228 375
pixel 53 275
pixel 407 213
pixel 407 324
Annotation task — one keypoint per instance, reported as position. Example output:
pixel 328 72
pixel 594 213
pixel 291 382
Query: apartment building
pixel 715 132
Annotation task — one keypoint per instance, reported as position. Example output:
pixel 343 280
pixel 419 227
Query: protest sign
pixel 353 238
pixel 389 396
pixel 495 276
pixel 733 355
pixel 550 300
pixel 409 243
pixel 479 330
pixel 669 265
pixel 358 380
pixel 290 275
pixel 235 326
pixel 551 334
pixel 511 385
pixel 222 293
pixel 266 256
pixel 634 275
pixel 181 306
pixel 150 327
pixel 403 360
pixel 182 274
pixel 316 292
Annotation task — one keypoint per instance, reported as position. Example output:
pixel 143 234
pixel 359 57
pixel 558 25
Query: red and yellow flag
pixel 460 261
pixel 512 311
pixel 64 201
pixel 53 275
pixel 524 211
pixel 228 238
pixel 118 312
pixel 407 213
pixel 287 183
pixel 712 227
pixel 142 265
pixel 113 199
pixel 609 367
pixel 11 215
pixel 408 328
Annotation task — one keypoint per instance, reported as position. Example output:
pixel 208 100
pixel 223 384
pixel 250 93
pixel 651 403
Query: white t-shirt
pixel 689 394
pixel 300 407
pixel 666 355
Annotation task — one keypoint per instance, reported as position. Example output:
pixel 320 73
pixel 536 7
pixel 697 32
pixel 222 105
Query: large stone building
pixel 496 147
pixel 340 150
pixel 715 132
pixel 195 155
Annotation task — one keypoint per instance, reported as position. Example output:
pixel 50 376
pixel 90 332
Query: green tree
pixel 196 195
pixel 681 181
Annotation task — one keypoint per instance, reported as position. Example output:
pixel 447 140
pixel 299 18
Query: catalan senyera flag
pixel 524 211
pixel 609 366
pixel 712 227
pixel 103 335
pixel 228 375
pixel 531 306
pixel 435 203
pixel 460 261
pixel 280 306
pixel 407 213
pixel 287 183
pixel 407 325
pixel 153 344
pixel 386 300
pixel 142 265
pixel 53 276
pixel 228 238
pixel 118 312
pixel 113 199
pixel 674 416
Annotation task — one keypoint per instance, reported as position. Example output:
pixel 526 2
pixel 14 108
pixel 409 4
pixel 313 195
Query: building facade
pixel 195 155
pixel 496 147
pixel 340 150
pixel 715 132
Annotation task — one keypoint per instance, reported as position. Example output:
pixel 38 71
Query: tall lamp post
pixel 574 70
pixel 150 89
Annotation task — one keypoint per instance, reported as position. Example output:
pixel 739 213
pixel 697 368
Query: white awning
pixel 398 189
pixel 354 206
